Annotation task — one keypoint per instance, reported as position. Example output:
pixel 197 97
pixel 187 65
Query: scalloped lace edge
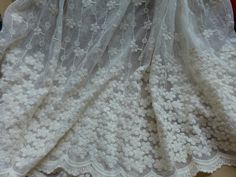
pixel 96 170
pixel 195 166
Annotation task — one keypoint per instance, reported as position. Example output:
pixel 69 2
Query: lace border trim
pixel 96 170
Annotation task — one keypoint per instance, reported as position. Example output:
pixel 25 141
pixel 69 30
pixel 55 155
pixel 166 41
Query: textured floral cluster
pixel 114 88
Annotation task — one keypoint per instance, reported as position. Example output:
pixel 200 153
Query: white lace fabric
pixel 117 88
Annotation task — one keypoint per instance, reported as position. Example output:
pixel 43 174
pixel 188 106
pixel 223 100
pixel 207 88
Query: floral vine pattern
pixel 117 88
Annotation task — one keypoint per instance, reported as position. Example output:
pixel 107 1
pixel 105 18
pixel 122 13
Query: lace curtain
pixel 117 88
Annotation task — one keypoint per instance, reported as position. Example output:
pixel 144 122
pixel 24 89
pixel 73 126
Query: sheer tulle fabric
pixel 111 88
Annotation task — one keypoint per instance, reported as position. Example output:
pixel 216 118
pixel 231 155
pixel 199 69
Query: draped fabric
pixel 117 88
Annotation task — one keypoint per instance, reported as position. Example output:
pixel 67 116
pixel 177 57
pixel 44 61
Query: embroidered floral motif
pixel 134 46
pixel 94 27
pixel 107 88
pixel 37 31
pixel 53 9
pixel 70 23
pixel 79 52
pixel 88 3
pixel 111 5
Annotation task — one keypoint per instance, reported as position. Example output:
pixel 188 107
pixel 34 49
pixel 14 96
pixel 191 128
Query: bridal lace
pixel 117 88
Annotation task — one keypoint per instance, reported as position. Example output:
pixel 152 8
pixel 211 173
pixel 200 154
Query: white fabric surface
pixel 117 88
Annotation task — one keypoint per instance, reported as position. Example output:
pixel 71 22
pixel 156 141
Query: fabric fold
pixel 117 88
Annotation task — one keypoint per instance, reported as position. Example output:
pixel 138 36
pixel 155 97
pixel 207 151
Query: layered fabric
pixel 117 88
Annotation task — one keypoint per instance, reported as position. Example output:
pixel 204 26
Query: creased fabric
pixel 117 88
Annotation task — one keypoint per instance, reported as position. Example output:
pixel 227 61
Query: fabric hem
pixel 96 170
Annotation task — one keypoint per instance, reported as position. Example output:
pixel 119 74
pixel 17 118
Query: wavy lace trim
pixel 96 170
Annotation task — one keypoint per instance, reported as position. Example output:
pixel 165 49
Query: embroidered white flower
pixel 88 3
pixel 37 31
pixel 111 4
pixel 147 24
pixel 53 9
pixel 94 27
pixel 79 52
pixel 134 47
pixel 70 23
pixel 138 2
